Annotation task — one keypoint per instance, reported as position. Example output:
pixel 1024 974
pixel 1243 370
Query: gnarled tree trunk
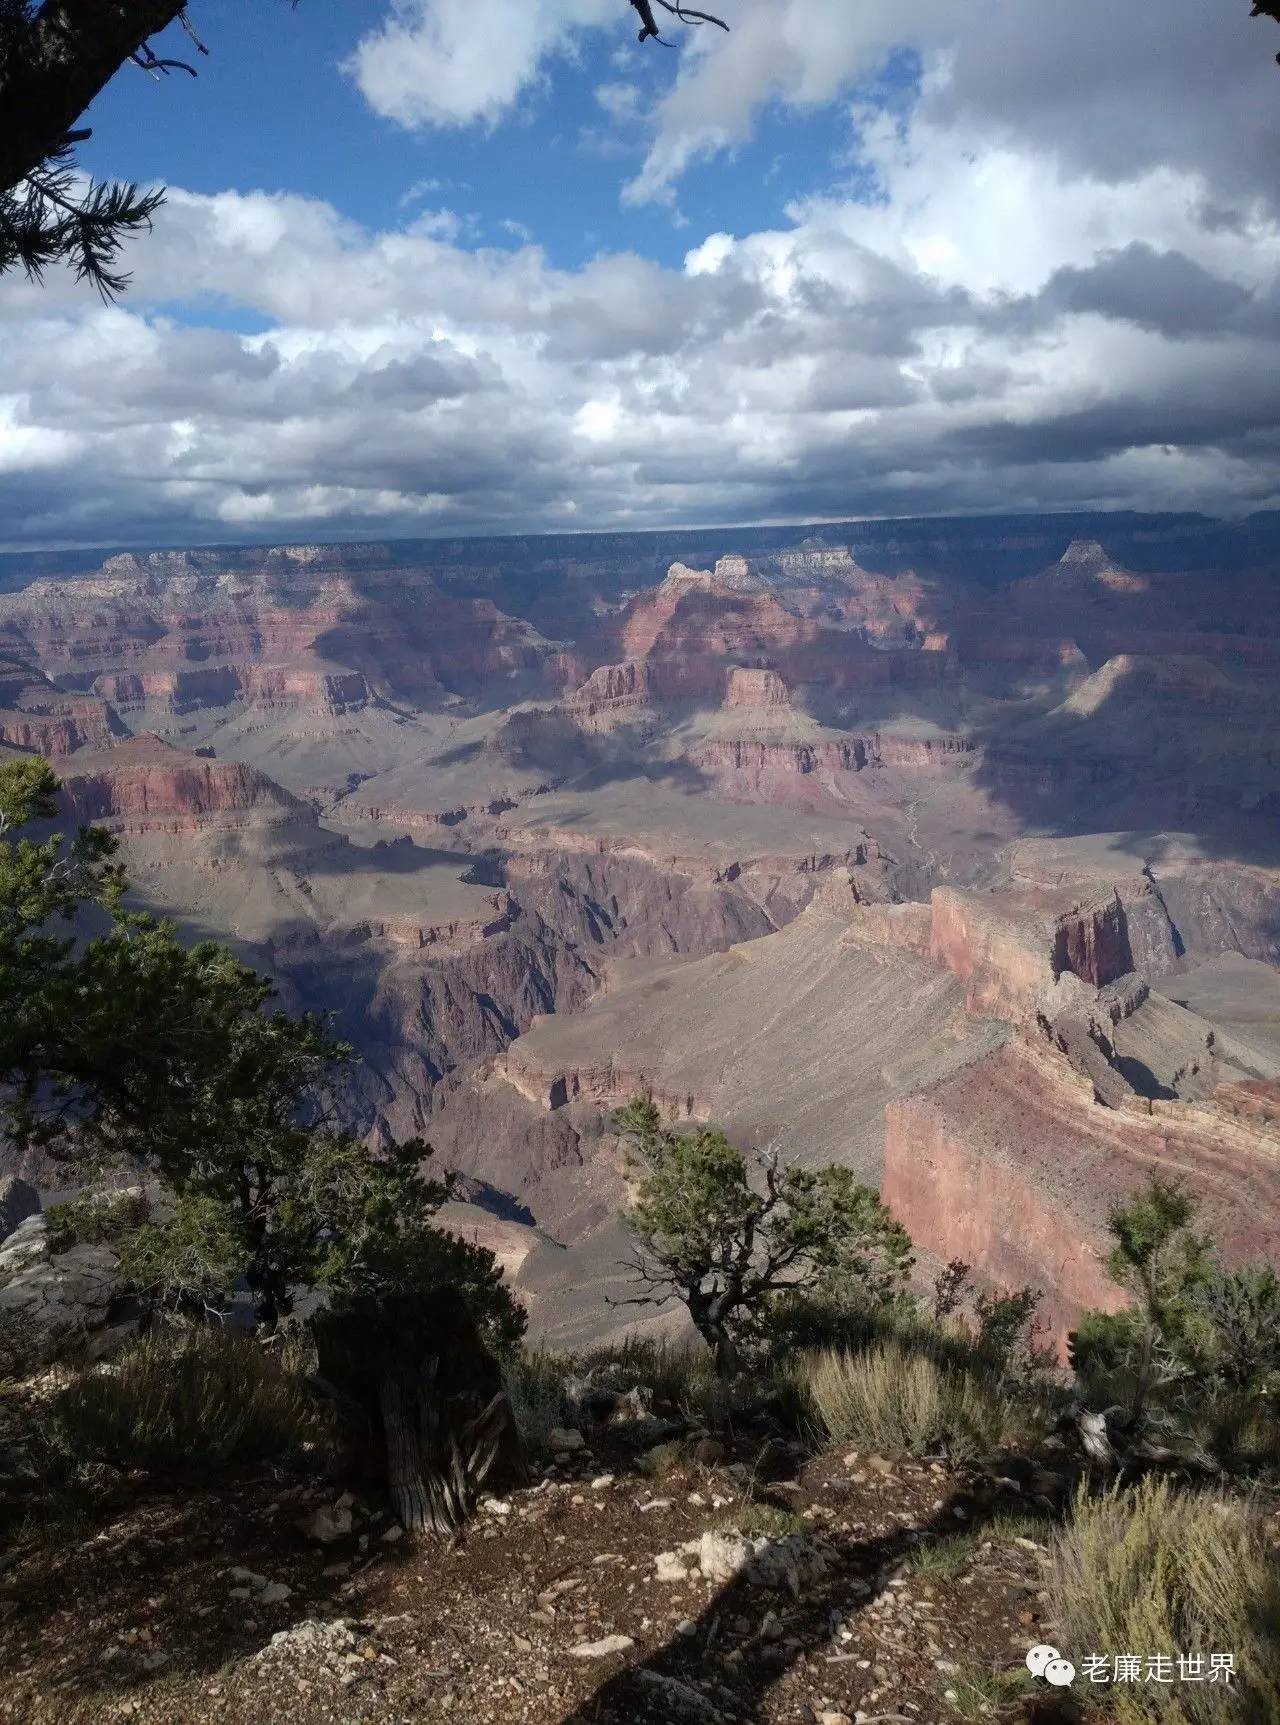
pixel 424 1398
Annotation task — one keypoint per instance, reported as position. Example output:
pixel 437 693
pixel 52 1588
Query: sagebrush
pixel 897 1399
pixel 1159 1569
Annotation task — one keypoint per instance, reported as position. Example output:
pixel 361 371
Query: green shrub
pixel 755 1519
pixel 944 1559
pixel 679 1377
pixel 187 1401
pixel 96 1218
pixel 899 1399
pixel 1194 1361
pixel 1157 1569
pixel 665 1460
pixel 658 1365
pixel 1241 1429
pixel 999 1336
pixel 991 1692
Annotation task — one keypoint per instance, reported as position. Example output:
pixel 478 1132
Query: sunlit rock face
pixel 946 850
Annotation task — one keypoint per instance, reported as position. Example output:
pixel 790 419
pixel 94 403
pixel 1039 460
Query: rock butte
pixel 944 849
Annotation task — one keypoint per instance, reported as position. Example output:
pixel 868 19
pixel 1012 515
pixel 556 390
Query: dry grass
pixel 900 1400
pixel 185 1401
pixel 535 1385
pixel 1157 1569
pixel 985 1695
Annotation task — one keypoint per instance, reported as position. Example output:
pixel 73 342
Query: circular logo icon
pixel 1039 1657
pixel 1059 1672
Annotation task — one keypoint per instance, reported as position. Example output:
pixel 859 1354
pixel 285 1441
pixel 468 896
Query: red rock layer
pixel 143 782
pixel 1012 1165
pixel 56 727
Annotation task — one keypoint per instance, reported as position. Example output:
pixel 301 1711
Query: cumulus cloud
pixel 1032 310
pixel 452 62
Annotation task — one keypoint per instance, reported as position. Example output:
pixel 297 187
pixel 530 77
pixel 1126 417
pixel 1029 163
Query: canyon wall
pixel 1013 1166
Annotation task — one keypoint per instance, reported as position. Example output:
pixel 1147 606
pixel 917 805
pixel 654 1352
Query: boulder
pixel 65 1297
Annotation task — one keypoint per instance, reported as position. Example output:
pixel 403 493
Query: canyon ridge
pixel 947 850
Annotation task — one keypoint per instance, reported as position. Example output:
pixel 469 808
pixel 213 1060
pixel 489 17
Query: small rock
pixel 709 1451
pixel 393 1534
pixel 603 1648
pixel 723 1556
pixel 602 1483
pixel 879 1464
pixel 312 1639
pixel 564 1438
pixel 275 1593
pixel 327 1523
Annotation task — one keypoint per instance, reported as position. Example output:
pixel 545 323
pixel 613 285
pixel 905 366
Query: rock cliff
pixel 1013 1164
pixel 144 783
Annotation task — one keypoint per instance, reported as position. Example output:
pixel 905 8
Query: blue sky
pixel 895 257
pixel 272 109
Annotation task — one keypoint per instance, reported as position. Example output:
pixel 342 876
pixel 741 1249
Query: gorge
pixel 946 850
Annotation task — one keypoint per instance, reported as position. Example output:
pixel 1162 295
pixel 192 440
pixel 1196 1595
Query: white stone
pixel 603 1648
pixel 723 1556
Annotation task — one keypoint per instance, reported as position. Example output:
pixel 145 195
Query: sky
pixel 454 266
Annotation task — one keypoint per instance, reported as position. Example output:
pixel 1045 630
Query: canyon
pixel 946 850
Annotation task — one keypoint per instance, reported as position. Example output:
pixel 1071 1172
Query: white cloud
pixel 453 62
pixel 1064 293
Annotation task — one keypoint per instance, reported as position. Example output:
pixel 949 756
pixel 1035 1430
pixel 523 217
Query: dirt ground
pixel 158 1609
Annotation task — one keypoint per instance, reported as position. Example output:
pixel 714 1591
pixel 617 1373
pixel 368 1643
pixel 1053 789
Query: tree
pixel 1197 1335
pixel 55 58
pixel 127 1050
pixel 723 1244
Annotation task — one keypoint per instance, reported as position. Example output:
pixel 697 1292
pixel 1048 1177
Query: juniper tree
pixel 724 1235
pixel 1196 1334
pixel 126 1050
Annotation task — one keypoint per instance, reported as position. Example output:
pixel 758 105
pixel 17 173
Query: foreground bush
pixel 190 1400
pixel 1194 1361
pixel 897 1399
pixel 1156 1569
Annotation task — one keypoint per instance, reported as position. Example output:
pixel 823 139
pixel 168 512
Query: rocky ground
pixel 748 1587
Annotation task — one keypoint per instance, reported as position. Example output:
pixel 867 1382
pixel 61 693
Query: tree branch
pixel 69 51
